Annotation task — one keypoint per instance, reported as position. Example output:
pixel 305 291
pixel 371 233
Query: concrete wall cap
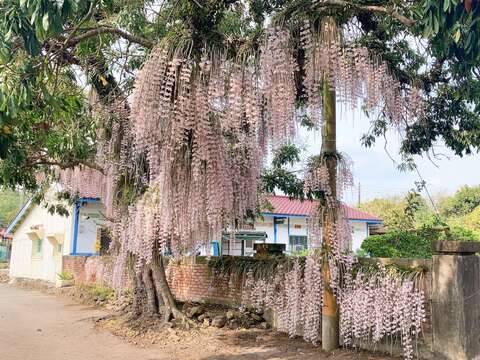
pixel 455 247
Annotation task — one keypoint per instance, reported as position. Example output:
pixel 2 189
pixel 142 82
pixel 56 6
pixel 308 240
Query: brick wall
pixel 192 280
pixel 75 265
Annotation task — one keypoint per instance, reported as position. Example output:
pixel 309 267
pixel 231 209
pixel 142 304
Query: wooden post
pixel 330 319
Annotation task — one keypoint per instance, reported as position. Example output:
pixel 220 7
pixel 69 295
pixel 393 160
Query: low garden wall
pixel 191 280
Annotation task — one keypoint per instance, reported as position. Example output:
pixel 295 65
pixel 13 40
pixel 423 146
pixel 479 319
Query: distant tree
pixel 470 221
pixel 388 209
pixel 10 202
pixel 463 202
pixel 400 213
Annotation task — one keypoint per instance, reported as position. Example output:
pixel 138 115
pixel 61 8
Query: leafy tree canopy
pixel 401 213
pixel 52 51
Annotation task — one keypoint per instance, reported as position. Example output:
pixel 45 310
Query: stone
pixel 195 311
pixel 264 325
pixel 219 321
pixel 259 312
pixel 231 314
pixel 202 317
pixel 456 314
pixel 206 322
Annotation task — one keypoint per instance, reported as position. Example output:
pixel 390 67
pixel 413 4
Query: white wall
pixel 359 233
pixel 266 225
pixel 298 226
pixel 48 263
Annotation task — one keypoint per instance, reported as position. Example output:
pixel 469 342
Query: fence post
pixel 456 300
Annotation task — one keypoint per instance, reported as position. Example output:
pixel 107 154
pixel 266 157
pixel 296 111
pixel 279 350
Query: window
pixel 37 248
pixel 298 243
pixel 57 250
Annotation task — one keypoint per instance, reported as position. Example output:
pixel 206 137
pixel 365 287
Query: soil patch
pixel 210 343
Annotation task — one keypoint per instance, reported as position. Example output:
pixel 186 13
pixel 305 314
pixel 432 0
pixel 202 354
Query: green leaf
pixel 446 5
pixel 436 25
pixel 456 36
pixel 46 22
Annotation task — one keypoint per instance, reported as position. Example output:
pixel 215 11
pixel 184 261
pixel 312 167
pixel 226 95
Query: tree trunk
pixel 163 290
pixel 138 291
pixel 330 319
pixel 152 304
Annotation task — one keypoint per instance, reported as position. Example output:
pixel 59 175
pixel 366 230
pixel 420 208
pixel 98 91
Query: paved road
pixel 35 326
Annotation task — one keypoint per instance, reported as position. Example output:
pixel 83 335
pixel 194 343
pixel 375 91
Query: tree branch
pixel 369 8
pixel 109 30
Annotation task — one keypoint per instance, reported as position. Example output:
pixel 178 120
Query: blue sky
pixel 376 171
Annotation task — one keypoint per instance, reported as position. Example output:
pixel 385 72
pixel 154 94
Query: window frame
pixel 37 249
pixel 292 245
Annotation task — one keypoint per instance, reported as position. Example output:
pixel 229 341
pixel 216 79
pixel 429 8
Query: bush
pixel 398 244
pixel 413 244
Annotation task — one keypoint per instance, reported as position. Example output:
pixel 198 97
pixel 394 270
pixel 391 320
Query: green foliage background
pixel 10 203
pixel 410 229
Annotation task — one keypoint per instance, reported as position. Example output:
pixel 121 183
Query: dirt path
pixel 36 326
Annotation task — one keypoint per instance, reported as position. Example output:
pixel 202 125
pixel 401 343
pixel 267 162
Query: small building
pixel 287 223
pixel 41 239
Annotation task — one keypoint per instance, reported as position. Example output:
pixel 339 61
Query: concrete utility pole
pixel 359 195
pixel 330 319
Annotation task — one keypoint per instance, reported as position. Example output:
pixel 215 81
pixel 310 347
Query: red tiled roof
pixel 286 206
pixel 2 232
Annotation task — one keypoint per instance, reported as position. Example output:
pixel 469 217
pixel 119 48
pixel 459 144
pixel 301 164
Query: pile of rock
pixel 120 304
pixel 233 319
pixel 4 278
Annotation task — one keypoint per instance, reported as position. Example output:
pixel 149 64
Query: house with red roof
pixel 286 222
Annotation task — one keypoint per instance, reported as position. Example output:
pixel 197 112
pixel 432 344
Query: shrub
pixel 65 275
pixel 398 244
pixel 413 244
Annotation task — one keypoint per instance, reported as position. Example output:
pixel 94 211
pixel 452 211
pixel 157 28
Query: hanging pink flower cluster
pixel 199 127
pixel 277 82
pixel 317 179
pixel 373 305
pixel 356 76
pixel 83 181
pixel 294 294
pixel 379 305
pixel 139 230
